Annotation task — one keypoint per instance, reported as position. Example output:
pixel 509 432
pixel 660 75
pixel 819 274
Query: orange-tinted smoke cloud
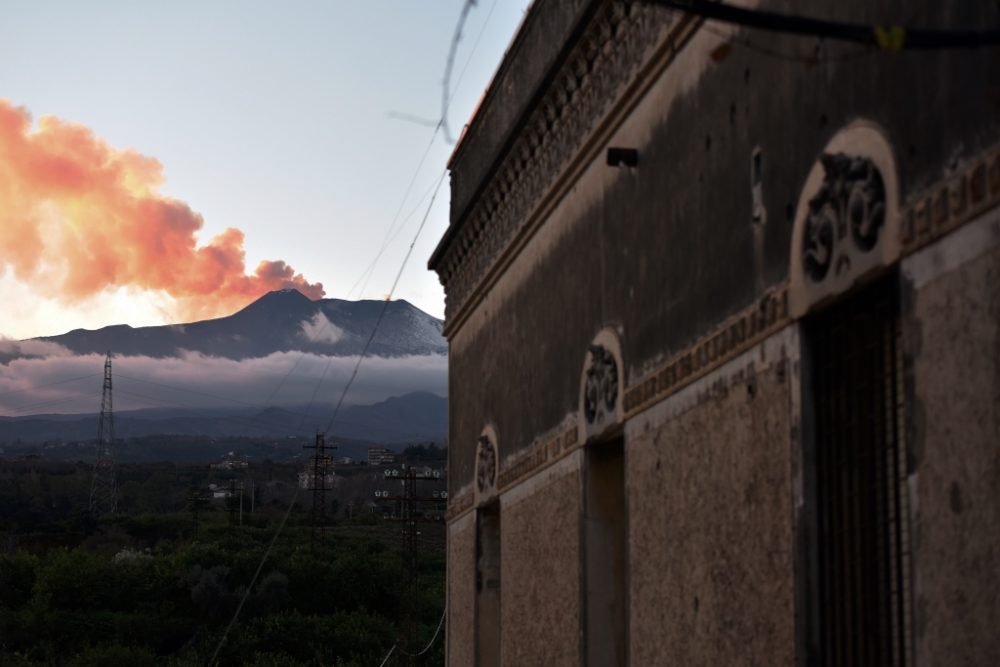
pixel 78 216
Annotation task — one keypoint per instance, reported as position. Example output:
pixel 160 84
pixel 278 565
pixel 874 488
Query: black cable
pixel 889 38
pixel 49 384
pixel 806 59
pixel 385 305
pixel 445 93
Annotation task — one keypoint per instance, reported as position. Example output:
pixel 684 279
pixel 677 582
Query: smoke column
pixel 78 216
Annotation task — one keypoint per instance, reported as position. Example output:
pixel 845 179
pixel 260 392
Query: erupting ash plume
pixel 78 216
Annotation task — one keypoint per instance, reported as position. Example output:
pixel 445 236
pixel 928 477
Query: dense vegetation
pixel 158 582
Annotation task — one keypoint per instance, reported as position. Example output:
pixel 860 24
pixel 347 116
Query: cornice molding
pixel 951 202
pixel 731 338
pixel 606 61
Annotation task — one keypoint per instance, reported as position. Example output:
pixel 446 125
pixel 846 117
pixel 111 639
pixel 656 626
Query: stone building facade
pixel 723 309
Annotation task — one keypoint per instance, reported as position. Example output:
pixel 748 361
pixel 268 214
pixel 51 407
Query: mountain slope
pixel 419 416
pixel 277 322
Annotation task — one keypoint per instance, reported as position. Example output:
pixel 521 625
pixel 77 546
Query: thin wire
pixel 256 574
pixel 49 384
pixel 152 401
pixel 449 96
pixel 364 351
pixel 475 45
pixel 389 238
pixel 804 59
pixel 385 305
pixel 368 271
pixel 200 393
pixel 449 63
pixel 885 37
pixel 18 410
pixel 387 655
pixel 431 642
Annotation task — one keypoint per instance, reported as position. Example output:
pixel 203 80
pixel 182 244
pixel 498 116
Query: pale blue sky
pixel 269 117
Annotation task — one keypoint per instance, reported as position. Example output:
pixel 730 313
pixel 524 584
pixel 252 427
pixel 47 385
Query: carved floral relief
pixel 845 217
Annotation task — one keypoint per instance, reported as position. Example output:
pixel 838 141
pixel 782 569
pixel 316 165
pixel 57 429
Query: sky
pixel 170 161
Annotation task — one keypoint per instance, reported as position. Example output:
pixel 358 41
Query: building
pixel 232 461
pixel 378 456
pixel 724 338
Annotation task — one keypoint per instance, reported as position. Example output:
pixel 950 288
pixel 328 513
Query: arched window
pixel 843 283
pixel 604 527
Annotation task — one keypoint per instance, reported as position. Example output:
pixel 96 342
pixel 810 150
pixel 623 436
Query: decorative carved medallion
pixel 600 392
pixel 601 386
pixel 845 217
pixel 486 466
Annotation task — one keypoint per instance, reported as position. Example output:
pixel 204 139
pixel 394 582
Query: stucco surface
pixel 710 528
pixel 462 591
pixel 953 332
pixel 540 565
pixel 668 250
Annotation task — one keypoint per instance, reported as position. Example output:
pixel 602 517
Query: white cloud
pixel 68 384
pixel 319 329
pixel 32 348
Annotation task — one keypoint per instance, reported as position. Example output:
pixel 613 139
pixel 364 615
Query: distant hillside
pixel 277 322
pixel 414 417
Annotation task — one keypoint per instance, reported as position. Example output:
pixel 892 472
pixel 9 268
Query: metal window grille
pixel 862 533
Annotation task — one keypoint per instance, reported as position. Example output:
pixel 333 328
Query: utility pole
pixel 197 502
pixel 408 504
pixel 320 468
pixel 234 507
pixel 104 487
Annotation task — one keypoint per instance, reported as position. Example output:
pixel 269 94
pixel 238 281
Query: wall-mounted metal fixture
pixel 618 157
pixel 759 213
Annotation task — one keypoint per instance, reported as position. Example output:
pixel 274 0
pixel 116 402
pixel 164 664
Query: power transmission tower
pixel 197 502
pixel 104 487
pixel 408 514
pixel 320 469
pixel 234 507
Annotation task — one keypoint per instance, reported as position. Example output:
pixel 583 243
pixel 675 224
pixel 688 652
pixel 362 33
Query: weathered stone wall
pixel 664 253
pixel 540 563
pixel 669 249
pixel 952 334
pixel 710 518
pixel 461 631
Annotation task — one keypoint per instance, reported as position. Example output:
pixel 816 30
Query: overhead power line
pixel 886 37
pixel 445 93
pixel 385 305
pixel 371 337
pixel 22 390
pixel 256 575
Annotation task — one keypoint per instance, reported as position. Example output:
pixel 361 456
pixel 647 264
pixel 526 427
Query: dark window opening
pixel 488 586
pixel 605 554
pixel 860 537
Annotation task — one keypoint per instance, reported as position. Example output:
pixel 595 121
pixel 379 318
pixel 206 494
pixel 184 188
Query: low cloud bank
pixel 31 348
pixel 72 384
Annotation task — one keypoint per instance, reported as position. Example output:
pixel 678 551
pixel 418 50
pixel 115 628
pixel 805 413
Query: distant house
pixel 218 491
pixel 723 313
pixel 378 456
pixel 231 462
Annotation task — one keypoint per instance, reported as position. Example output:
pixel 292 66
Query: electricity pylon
pixel 408 514
pixel 320 471
pixel 104 488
